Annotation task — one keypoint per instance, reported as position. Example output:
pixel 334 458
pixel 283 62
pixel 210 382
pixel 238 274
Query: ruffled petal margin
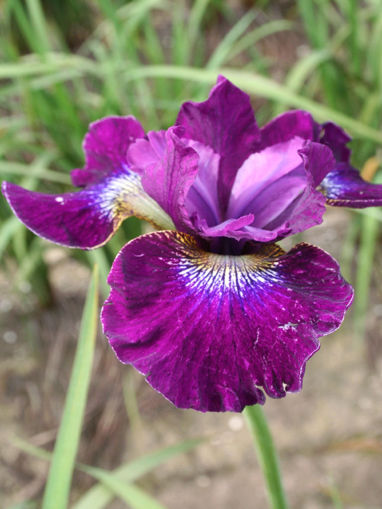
pixel 212 332
pixel 85 219
pixel 112 192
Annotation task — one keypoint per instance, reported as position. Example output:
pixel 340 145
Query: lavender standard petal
pixel 168 173
pixel 211 331
pixel 258 172
pixel 277 186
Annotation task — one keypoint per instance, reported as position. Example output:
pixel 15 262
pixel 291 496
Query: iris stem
pixel 266 455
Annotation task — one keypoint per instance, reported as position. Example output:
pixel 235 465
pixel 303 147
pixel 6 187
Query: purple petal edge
pixel 85 219
pixel 344 187
pixel 211 331
pixel 71 219
pixel 105 146
pixel 226 123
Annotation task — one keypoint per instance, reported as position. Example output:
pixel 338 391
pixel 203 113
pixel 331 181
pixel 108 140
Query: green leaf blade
pixel 60 475
pixel 100 495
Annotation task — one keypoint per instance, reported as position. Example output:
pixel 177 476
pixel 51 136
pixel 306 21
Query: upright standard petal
pixel 171 167
pixel 226 123
pixel 87 218
pixel 343 186
pixel 105 147
pixel 277 186
pixel 211 331
pixel 288 125
pixel 336 139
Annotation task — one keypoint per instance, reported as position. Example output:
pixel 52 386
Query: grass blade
pixel 265 87
pixel 118 481
pixel 254 36
pixel 129 493
pixel 266 456
pixel 12 168
pixel 58 484
pixel 195 21
pixel 8 229
pixel 99 496
pixel 99 257
pixel 224 48
pixel 39 24
pixel 369 235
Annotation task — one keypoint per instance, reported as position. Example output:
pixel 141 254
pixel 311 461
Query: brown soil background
pixel 329 436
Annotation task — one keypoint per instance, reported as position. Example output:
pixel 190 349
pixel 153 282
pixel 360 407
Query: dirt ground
pixel 329 436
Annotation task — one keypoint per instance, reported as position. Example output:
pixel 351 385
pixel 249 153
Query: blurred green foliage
pixel 65 64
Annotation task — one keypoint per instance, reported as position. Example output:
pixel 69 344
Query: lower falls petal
pixel 344 187
pixel 212 332
pixel 87 218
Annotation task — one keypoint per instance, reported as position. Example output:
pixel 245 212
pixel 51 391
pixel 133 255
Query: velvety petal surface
pixel 169 168
pixel 277 186
pixel 336 139
pixel 226 123
pixel 105 146
pixel 287 126
pixel 214 332
pixel 112 192
pixel 344 187
pixel 85 219
pixel 179 173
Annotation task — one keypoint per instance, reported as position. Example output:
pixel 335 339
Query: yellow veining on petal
pixel 224 271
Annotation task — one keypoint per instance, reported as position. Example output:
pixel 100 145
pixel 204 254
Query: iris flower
pixel 209 308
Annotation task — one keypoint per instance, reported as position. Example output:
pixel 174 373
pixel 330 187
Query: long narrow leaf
pixel 117 482
pixel 99 496
pixel 129 493
pixel 12 168
pixel 39 24
pixel 60 475
pixel 254 36
pixel 224 48
pixel 265 87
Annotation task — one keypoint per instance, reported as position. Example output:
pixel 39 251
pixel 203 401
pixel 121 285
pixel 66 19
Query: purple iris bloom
pixel 210 309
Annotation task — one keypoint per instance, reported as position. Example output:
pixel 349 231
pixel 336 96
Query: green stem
pixel 267 456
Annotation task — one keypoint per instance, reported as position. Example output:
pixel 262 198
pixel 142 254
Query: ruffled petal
pixel 259 172
pixel 226 123
pixel 85 219
pixel 105 146
pixel 145 153
pixel 301 123
pixel 344 187
pixel 169 167
pixel 277 186
pixel 212 332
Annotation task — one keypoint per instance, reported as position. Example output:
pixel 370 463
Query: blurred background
pixel 65 64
